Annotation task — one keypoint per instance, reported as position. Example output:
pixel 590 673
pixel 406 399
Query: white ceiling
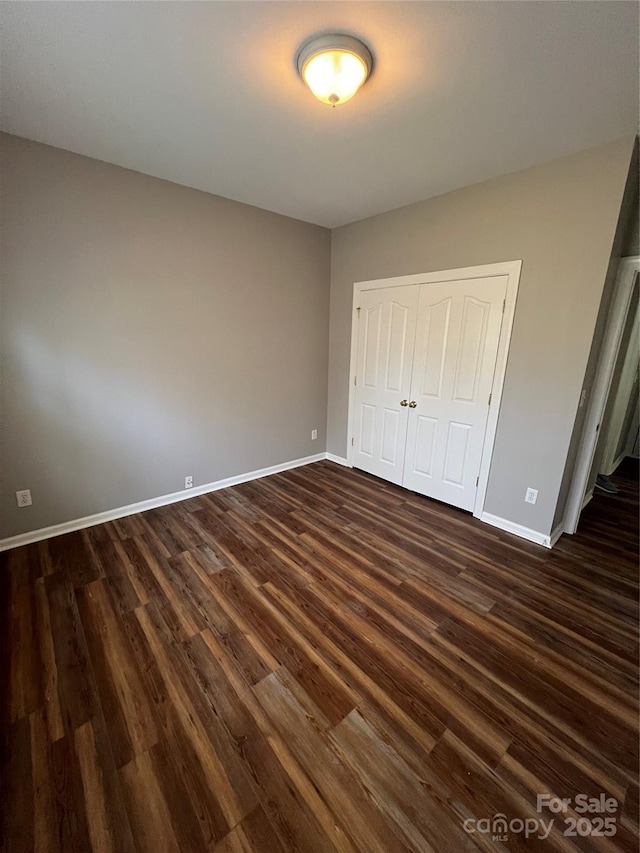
pixel 206 94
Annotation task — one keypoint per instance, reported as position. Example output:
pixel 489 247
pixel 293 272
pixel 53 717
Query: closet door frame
pixel 512 270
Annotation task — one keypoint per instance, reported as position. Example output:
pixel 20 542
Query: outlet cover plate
pixel 23 497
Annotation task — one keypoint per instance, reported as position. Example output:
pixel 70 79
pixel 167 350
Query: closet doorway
pixel 428 360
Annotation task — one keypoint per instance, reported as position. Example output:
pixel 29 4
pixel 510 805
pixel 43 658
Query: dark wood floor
pixel 318 661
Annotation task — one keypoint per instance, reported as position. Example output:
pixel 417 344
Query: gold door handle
pixel 412 404
pixel 404 402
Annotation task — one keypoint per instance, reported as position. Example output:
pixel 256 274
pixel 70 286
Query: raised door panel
pixel 371 330
pixel 456 452
pixel 471 343
pixel 397 346
pixel 424 446
pixel 390 452
pixel 367 428
pixel 436 319
pixel 386 333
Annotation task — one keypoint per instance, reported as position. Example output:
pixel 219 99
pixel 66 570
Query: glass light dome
pixel 334 67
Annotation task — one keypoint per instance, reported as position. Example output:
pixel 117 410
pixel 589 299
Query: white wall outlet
pixel 531 496
pixel 314 434
pixel 24 497
pixel 188 482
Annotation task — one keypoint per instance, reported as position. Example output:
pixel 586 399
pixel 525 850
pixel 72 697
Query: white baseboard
pixel 517 529
pixel 185 494
pixel 152 503
pixel 556 534
pixel 339 460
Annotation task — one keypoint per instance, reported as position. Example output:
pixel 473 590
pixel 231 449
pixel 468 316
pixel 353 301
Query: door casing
pixel 577 497
pixel 512 270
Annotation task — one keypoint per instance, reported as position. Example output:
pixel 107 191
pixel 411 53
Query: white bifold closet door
pixel 426 360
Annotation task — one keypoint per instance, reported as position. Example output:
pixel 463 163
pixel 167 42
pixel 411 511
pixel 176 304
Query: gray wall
pixel 149 332
pixel 560 219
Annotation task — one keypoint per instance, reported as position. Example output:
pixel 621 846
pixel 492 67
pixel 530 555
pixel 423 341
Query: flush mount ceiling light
pixel 334 67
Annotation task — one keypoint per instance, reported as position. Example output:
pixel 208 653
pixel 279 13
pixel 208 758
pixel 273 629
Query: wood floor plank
pixel 26 689
pixel 100 832
pixel 75 691
pixel 571 713
pixel 318 661
pixel 127 588
pixel 128 712
pixel 17 829
pixel 73 555
pixel 316 629
pixel 252 835
pixel 50 694
pixel 344 793
pixel 152 562
pixel 71 826
pixel 293 806
pixel 215 766
pixel 412 803
pixel 182 760
pixel 149 812
pixel 290 648
pixel 45 824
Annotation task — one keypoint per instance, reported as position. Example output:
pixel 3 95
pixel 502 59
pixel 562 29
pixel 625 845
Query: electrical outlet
pixel 188 482
pixel 24 497
pixel 314 434
pixel 531 496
